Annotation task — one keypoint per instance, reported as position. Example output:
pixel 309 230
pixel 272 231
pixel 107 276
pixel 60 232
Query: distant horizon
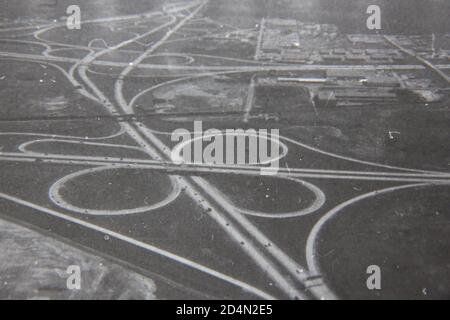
pixel 399 16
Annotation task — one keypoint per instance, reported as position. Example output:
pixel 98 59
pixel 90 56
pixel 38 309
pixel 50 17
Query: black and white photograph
pixel 224 150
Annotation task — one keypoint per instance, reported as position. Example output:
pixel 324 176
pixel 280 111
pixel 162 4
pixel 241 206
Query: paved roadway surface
pixel 85 158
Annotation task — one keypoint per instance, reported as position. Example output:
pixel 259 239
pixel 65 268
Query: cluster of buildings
pixel 292 41
pixel 366 56
pixel 346 88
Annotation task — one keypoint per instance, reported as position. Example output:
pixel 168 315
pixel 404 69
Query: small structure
pixel 303 80
pixel 381 81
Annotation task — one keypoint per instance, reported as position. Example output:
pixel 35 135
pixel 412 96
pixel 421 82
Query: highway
pixel 214 231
